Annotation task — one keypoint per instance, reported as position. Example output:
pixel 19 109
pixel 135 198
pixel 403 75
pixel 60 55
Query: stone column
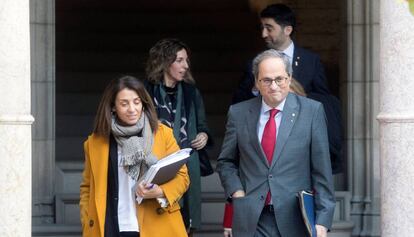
pixel 397 118
pixel 371 214
pixel 363 130
pixel 42 30
pixel 15 119
pixel 355 111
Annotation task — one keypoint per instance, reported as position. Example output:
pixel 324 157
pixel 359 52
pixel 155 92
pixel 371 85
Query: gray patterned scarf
pixel 136 151
pixel 172 114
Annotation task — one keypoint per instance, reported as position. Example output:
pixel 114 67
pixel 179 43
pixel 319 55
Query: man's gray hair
pixel 270 53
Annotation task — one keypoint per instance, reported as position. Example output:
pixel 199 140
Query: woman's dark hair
pixel 102 125
pixel 161 56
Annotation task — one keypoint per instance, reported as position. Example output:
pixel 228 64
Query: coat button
pixel 270 176
pixel 91 223
pixel 160 210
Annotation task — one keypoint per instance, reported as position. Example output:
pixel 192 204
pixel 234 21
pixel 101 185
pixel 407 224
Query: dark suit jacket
pixel 300 162
pixel 308 70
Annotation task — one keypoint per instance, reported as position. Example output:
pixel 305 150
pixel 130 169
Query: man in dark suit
pixel 278 23
pixel 276 145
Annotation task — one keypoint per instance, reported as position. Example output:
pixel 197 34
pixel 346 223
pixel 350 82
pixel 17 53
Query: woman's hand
pixel 200 141
pixel 148 191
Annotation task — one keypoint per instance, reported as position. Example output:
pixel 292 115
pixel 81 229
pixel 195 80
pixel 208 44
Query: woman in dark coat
pixel 180 106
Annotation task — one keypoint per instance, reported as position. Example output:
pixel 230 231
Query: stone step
pixel 154 5
pixel 71 148
pixel 75 230
pixel 87 104
pixel 57 230
pixel 95 82
pixel 119 61
pixel 82 125
pixel 77 103
pixel 70 173
pixel 169 22
pixel 142 42
pixel 226 41
pixel 74 125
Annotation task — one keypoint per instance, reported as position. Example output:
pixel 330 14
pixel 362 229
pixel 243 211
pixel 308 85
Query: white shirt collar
pixel 266 107
pixel 289 50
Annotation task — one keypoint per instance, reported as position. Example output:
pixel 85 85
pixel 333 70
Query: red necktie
pixel 269 141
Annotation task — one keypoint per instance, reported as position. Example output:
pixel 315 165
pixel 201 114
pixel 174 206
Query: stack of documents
pixel 165 169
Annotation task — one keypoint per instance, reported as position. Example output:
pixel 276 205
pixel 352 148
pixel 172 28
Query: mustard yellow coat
pixel 152 220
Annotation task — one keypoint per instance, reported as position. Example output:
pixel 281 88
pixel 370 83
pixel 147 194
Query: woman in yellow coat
pixel 127 139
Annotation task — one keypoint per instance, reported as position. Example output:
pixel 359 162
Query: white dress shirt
pixel 289 52
pixel 127 212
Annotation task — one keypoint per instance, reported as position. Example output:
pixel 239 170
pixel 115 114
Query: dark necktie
pixel 269 141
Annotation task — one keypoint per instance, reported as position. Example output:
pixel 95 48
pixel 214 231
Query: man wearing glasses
pixel 278 23
pixel 276 145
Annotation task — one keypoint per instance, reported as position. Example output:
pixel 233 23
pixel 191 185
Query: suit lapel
pixel 296 63
pixel 252 121
pixel 290 113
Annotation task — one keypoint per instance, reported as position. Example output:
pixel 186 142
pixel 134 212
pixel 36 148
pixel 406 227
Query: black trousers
pixel 128 234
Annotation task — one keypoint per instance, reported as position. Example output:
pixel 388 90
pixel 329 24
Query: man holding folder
pixel 275 146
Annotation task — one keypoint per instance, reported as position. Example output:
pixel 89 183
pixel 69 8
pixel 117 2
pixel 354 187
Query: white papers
pixel 165 169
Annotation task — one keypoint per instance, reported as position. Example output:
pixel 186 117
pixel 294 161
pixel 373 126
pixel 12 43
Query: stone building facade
pixel 366 46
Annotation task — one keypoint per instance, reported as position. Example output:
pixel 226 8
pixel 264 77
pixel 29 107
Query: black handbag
pixel 205 166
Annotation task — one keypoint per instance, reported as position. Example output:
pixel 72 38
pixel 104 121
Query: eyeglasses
pixel 280 81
